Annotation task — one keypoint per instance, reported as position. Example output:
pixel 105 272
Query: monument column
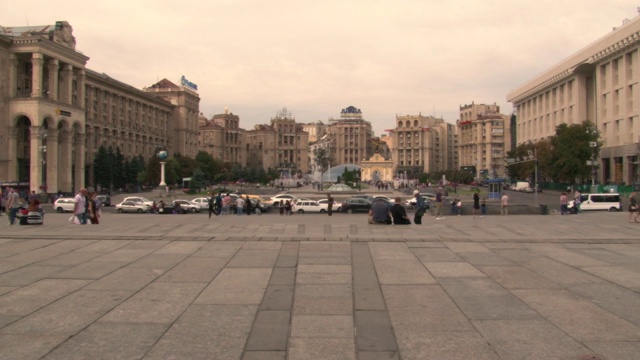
pixel 53 79
pixel 36 74
pixel 52 161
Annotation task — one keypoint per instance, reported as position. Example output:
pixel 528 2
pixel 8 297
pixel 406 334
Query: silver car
pixel 130 206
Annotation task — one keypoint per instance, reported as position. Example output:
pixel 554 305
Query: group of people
pixel 564 202
pixel 221 205
pixel 381 213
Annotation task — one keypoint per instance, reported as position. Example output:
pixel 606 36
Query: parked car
pixel 325 204
pixel 202 203
pixel 281 199
pixel 258 206
pixel 186 205
pixel 353 204
pixel 64 205
pixel 364 196
pixel 603 202
pixel 309 206
pixel 139 199
pixel 130 206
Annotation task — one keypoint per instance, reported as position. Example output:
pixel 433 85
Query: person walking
pixel 329 204
pixel 633 208
pixel 504 203
pixel 476 203
pixel 287 207
pixel 226 204
pixel 93 209
pixel 210 203
pixel 421 207
pixel 218 204
pixel 577 201
pixel 13 204
pixel 483 207
pixel 247 205
pixel 80 207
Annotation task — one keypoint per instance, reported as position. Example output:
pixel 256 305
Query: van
pixel 520 186
pixel 603 202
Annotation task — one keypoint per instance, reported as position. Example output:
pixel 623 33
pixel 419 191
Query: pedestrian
pixel 13 205
pixel 218 204
pixel 94 209
pixel 504 203
pixel 633 208
pixel 329 204
pixel 287 207
pixel 226 204
pixel 577 201
pixel 459 207
pixel 239 205
pixel 438 207
pixel 399 213
pixel 564 200
pixel 80 206
pixel 247 205
pixel 483 207
pixel 421 207
pixel 476 203
pixel 210 203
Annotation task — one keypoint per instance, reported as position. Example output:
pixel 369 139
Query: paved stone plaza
pixel 318 287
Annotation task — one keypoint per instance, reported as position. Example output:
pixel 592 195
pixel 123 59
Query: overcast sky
pixel 317 57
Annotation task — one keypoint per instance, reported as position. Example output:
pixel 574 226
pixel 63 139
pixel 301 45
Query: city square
pixel 317 287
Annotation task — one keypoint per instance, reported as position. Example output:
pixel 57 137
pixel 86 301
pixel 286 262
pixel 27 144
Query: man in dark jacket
pixel 399 213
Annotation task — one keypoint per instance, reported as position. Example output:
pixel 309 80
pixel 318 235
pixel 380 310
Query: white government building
pixel 599 83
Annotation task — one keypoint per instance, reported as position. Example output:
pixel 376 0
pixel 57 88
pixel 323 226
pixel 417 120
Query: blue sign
pixel 187 83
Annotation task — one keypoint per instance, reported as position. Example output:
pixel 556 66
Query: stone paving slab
pixel 313 287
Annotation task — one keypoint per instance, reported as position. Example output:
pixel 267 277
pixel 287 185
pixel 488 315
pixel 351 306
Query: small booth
pixel 495 188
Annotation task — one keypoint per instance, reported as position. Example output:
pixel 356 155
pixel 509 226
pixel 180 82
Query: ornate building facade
pixel 422 144
pixel 351 136
pixel 482 134
pixel 599 83
pixel 55 112
pixel 223 138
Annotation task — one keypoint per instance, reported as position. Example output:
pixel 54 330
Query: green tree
pixel 321 158
pixel 197 181
pixel 572 150
pixel 118 169
pixel 102 168
pixel 208 165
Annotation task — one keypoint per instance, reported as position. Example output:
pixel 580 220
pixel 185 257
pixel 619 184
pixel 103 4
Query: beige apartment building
pixel 482 134
pixel 282 145
pixel 351 137
pixel 55 113
pixel 222 138
pixel 598 83
pixel 422 144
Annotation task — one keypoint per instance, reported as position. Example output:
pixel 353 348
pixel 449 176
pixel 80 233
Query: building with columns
pixel 482 134
pixel 598 83
pixel 55 113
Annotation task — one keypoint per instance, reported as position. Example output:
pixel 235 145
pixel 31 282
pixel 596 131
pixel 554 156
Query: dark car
pixel 356 205
pixel 105 200
pixel 364 196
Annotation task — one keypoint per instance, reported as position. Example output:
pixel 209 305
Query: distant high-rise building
pixel 351 136
pixel 316 130
pixel 223 138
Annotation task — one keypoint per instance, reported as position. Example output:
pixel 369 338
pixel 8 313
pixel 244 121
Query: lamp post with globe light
pixel 162 155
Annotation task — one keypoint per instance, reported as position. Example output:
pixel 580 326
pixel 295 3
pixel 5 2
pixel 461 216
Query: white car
pixel 187 205
pixel 325 204
pixel 64 205
pixel 140 200
pixel 202 203
pixel 309 206
pixel 130 206
pixel 281 199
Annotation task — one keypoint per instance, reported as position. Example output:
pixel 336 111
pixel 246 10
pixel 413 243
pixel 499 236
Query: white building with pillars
pixel 598 83
pixel 55 113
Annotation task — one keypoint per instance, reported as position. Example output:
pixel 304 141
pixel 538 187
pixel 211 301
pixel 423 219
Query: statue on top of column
pixel 63 34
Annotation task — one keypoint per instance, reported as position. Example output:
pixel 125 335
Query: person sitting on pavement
pixel 399 213
pixel 379 213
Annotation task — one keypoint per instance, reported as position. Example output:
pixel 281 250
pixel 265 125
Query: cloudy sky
pixel 388 58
